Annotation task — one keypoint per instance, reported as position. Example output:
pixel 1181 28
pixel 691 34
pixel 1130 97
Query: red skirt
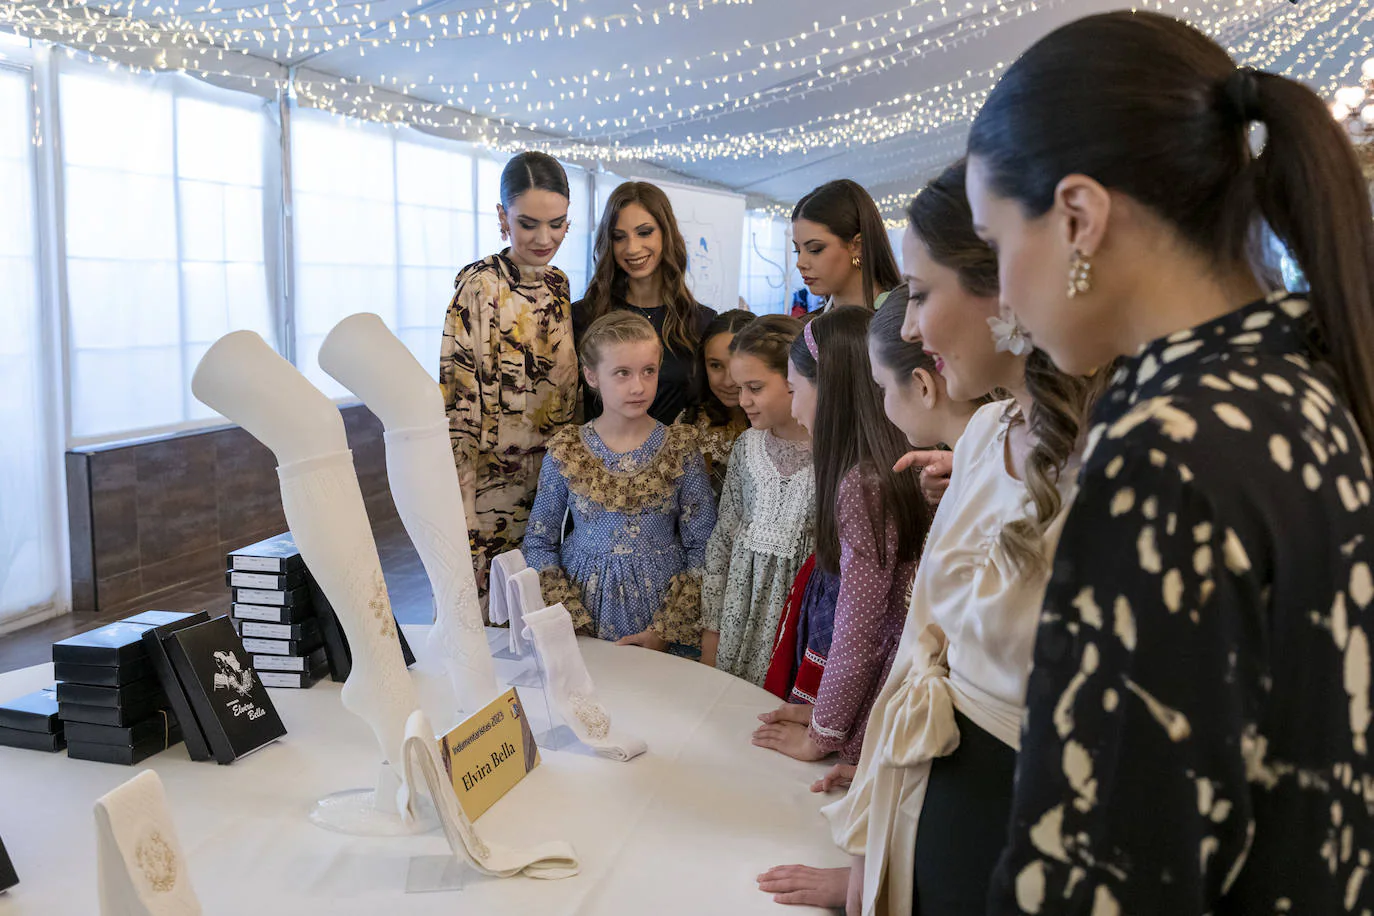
pixel 786 679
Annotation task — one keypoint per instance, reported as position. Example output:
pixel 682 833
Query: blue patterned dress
pixel 640 522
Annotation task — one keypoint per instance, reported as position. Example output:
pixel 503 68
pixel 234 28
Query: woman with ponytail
pixel 1198 725
pixel 841 243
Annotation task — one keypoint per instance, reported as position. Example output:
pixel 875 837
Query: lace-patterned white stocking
pixel 142 870
pixel 554 859
pixel 424 484
pixel 325 511
pixel 570 686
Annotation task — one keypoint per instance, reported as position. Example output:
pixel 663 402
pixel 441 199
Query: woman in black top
pixel 1198 726
pixel 641 265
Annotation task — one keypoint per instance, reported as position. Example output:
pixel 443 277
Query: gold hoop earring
pixel 1080 274
pixel 856 261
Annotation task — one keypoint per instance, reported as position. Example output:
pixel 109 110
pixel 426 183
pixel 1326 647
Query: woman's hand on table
pixel 648 639
pixel 840 776
pixel 802 885
pixel 788 712
pixel 788 738
pixel 854 899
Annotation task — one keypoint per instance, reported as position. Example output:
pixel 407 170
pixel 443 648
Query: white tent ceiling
pixel 767 97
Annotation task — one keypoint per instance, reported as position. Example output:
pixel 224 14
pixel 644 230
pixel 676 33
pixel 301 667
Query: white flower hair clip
pixel 1010 337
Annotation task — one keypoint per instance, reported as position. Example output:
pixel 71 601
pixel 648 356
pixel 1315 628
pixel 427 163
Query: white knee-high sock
pixel 424 484
pixel 423 765
pixel 325 511
pixel 142 870
pixel 570 685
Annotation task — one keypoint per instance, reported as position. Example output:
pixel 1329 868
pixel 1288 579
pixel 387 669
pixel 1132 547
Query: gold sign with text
pixel 487 754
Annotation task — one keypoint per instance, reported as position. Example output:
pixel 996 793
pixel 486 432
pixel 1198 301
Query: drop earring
pixel 1080 274
pixel 856 261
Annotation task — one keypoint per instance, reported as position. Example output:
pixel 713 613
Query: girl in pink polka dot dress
pixel 870 525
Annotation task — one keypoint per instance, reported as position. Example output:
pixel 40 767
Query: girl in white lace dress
pixel 767 510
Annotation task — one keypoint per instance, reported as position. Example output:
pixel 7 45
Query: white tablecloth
pixel 683 829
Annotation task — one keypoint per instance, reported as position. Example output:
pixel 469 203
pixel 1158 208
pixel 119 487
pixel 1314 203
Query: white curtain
pixel 30 541
pixel 171 215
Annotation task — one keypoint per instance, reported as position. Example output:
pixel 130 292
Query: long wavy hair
pixel 942 221
pixel 845 208
pixel 609 282
pixel 851 431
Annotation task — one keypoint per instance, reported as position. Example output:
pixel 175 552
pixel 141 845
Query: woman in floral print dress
pixel 507 363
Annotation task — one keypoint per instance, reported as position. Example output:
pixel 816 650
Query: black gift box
pixel 125 754
pixel 239 578
pixel 138 693
pixel 114 644
pixel 229 700
pixel 8 878
pixel 172 686
pixel 273 597
pixel 123 716
pixel 308 632
pixel 32 741
pixel 279 646
pixel 274 555
pixel 265 663
pixel 33 712
pixel 157 727
pixel 301 679
pixel 263 613
pixel 104 675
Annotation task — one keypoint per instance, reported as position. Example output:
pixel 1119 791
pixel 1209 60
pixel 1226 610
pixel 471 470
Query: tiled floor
pixel 405 580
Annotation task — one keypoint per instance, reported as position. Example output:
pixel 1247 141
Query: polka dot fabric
pixel 1197 733
pixel 869 615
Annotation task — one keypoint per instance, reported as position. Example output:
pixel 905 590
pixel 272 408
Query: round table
pixel 684 828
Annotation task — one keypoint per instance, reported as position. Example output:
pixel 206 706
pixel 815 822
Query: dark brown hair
pixel 885 335
pixel 613 328
pixel 532 170
pixel 1151 108
pixel 768 339
pixel 609 281
pixel 704 399
pixel 940 217
pixel 942 222
pixel 844 208
pixel 851 431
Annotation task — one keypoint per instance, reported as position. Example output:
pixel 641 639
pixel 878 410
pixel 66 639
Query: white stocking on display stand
pixel 502 605
pixel 423 765
pixel 242 378
pixel 569 686
pixel 373 363
pixel 142 870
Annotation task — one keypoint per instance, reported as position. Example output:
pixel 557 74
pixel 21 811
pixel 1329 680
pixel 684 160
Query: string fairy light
pixel 677 111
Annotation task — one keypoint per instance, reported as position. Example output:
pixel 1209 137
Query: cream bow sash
pixel 878 816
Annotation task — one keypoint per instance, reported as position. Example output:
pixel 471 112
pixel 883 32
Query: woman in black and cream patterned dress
pixel 507 364
pixel 1199 711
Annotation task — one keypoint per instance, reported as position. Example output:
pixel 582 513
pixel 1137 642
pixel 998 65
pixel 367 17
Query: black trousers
pixel 963 824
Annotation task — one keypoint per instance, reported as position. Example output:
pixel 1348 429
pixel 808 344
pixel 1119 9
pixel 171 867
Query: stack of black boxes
pixel 111 704
pixel 274 614
pixel 31 722
pixel 285 619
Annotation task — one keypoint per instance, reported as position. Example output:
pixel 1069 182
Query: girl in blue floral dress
pixel 639 497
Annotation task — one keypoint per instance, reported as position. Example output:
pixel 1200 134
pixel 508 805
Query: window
pixel 574 258
pixel 167 219
pixel 30 566
pixel 763 260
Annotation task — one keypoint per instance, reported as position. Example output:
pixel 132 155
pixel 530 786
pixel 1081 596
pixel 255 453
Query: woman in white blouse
pixel 940 748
